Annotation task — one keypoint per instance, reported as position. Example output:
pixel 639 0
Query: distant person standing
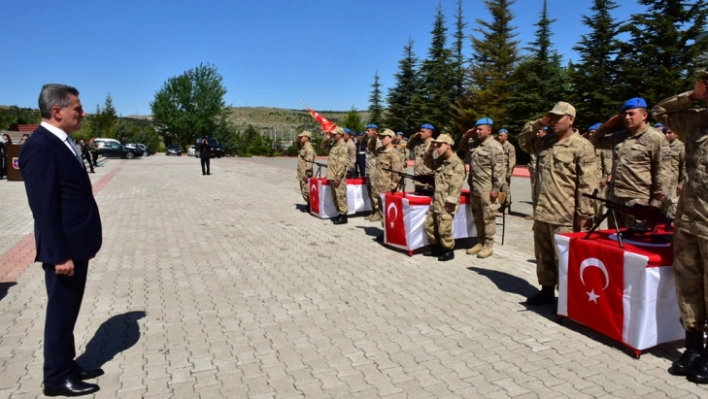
pixel 204 155
pixel 24 138
pixel 86 154
pixel 3 154
pixel 509 164
pixel 67 231
pixel 305 159
pixel 93 147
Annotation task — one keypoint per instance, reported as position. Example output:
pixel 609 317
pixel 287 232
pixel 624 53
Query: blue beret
pixel 664 129
pixel 372 126
pixel 635 102
pixel 399 134
pixel 484 121
pixel 427 126
pixel 595 126
pixel 346 130
pixel 658 125
pixel 503 131
pixel 545 128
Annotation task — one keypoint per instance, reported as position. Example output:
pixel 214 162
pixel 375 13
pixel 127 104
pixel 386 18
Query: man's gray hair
pixel 54 95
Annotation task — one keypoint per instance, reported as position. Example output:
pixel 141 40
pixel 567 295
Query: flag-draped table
pixel 627 294
pixel 322 204
pixel 404 220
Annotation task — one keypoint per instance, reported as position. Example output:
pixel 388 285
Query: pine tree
pixel 438 78
pixel 109 117
pixel 404 99
pixel 375 107
pixel 541 81
pixel 593 79
pixel 660 57
pixel 494 60
pixel 459 36
pixel 353 121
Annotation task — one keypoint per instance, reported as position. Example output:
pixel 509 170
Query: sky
pixel 271 53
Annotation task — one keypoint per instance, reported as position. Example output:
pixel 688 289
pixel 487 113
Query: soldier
pixel 372 144
pixel 691 237
pixel 567 168
pixel 337 173
pixel 385 180
pixel 533 175
pixel 509 164
pixel 400 144
pixel 678 172
pixel 360 154
pixel 449 177
pixel 485 179
pixel 419 144
pixel 305 157
pixel 351 150
pixel 604 169
pixel 639 175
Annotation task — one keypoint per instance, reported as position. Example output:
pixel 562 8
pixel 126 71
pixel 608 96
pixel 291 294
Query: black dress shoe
pixel 700 374
pixel 546 296
pixel 447 255
pixel 342 219
pixel 71 387
pixel 687 363
pixel 88 374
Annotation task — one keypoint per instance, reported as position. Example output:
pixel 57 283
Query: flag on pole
pixel 327 125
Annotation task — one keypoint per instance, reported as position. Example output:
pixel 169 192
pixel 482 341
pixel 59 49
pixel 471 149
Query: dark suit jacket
pixel 67 224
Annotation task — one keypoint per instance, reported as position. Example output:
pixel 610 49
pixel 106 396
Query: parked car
pixel 146 150
pixel 173 150
pixel 114 149
pixel 192 152
pixel 217 150
pixel 135 148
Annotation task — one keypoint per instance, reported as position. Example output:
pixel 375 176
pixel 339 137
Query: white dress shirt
pixel 61 135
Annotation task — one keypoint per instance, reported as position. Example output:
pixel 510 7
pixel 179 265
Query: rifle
pixel 650 215
pixel 425 179
pixel 319 167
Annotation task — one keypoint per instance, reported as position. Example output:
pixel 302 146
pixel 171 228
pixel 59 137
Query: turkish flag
pixel 327 125
pixel 596 287
pixel 314 197
pixel 394 225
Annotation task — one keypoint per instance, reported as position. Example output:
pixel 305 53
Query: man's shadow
pixel 4 287
pixel 115 335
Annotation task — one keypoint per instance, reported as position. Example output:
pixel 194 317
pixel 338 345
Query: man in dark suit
pixel 204 155
pixel 67 232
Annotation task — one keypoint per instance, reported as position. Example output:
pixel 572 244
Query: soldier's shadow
pixel 114 336
pixel 372 231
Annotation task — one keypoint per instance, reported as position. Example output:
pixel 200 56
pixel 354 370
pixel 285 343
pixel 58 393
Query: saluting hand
pixel 700 90
pixel 613 121
pixel 493 196
pixel 546 120
pixel 66 268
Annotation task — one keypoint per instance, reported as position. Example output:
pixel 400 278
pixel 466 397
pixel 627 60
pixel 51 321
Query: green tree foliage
pixel 189 105
pixel 104 121
pixel 594 78
pixel 405 101
pixel 251 142
pixel 16 115
pixel 375 107
pixel 491 74
pixel 457 48
pixel 540 79
pixel 437 75
pixel 353 121
pixel 659 59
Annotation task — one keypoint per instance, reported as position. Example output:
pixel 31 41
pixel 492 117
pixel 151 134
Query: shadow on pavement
pixel 4 287
pixel 372 231
pixel 113 337
pixel 301 207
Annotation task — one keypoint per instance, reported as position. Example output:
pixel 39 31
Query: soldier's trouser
pixel 438 228
pixel 376 200
pixel 534 196
pixel 305 190
pixel 370 191
pixel 506 189
pixel 600 206
pixel 484 214
pixel 624 219
pixel 691 279
pixel 669 205
pixel 546 251
pixel 339 197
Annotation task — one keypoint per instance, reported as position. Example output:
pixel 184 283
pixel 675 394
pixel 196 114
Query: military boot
pixel 477 247
pixel 435 250
pixel 342 219
pixel 547 296
pixel 369 217
pixel 691 358
pixel 446 254
pixel 375 217
pixel 486 251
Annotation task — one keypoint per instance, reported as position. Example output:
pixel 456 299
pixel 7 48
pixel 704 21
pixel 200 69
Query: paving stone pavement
pixel 218 287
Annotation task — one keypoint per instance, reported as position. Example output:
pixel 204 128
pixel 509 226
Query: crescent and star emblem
pixel 395 213
pixel 594 262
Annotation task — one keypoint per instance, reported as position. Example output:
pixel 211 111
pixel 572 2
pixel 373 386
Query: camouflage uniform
pixel 639 173
pixel 337 170
pixel 509 164
pixel 565 171
pixel 419 148
pixel 486 175
pixel 351 150
pixel 691 239
pixel 678 176
pixel 304 169
pixel 449 177
pixel 385 181
pixel 533 175
pixel 371 147
pixel 403 153
pixel 604 170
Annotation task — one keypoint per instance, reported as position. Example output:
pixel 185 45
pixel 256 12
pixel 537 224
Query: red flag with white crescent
pixel 314 197
pixel 393 220
pixel 327 125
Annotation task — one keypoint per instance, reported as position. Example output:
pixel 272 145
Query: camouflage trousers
pixel 534 187
pixel 484 214
pixel 506 189
pixel 339 197
pixel 438 228
pixel 546 251
pixel 370 191
pixel 624 219
pixel 691 279
pixel 669 205
pixel 305 191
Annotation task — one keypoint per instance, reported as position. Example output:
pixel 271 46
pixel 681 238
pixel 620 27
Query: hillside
pixel 279 119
